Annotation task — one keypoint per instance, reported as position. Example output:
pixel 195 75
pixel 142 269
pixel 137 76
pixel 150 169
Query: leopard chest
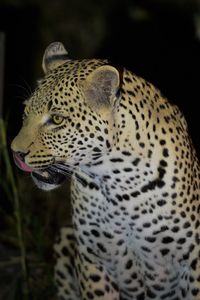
pixel 113 235
pixel 107 215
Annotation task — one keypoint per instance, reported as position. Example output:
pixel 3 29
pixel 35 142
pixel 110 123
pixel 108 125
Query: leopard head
pixel 67 122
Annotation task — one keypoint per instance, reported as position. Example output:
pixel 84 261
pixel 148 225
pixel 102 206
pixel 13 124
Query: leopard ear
pixel 54 56
pixel 101 87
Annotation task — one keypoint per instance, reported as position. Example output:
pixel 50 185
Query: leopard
pixel 134 180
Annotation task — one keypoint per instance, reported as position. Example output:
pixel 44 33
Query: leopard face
pixel 66 120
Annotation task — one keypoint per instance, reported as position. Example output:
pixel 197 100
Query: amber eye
pixel 57 120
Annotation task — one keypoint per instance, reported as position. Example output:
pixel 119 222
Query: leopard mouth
pixel 48 179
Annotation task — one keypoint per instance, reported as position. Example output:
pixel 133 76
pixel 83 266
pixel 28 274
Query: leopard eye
pixel 57 120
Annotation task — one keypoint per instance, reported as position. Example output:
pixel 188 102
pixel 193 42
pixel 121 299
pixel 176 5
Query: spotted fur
pixel 135 181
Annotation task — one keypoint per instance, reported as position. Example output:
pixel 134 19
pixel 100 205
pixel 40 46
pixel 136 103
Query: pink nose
pixel 19 158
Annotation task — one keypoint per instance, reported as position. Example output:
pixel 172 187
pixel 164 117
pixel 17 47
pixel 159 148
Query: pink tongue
pixel 21 164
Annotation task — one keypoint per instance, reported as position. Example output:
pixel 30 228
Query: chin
pixel 48 180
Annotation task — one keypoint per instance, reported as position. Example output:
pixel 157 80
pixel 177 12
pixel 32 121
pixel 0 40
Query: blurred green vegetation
pixel 29 221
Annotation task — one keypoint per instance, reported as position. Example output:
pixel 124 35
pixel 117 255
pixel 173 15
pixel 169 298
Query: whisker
pixel 65 171
pixel 71 169
pixel 57 170
pixel 64 167
pixel 60 169
pixel 27 92
pixel 27 86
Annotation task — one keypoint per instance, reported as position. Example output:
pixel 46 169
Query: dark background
pixel 157 39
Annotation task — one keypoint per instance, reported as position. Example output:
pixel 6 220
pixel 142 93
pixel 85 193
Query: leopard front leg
pixel 95 281
pixel 76 276
pixel 65 275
